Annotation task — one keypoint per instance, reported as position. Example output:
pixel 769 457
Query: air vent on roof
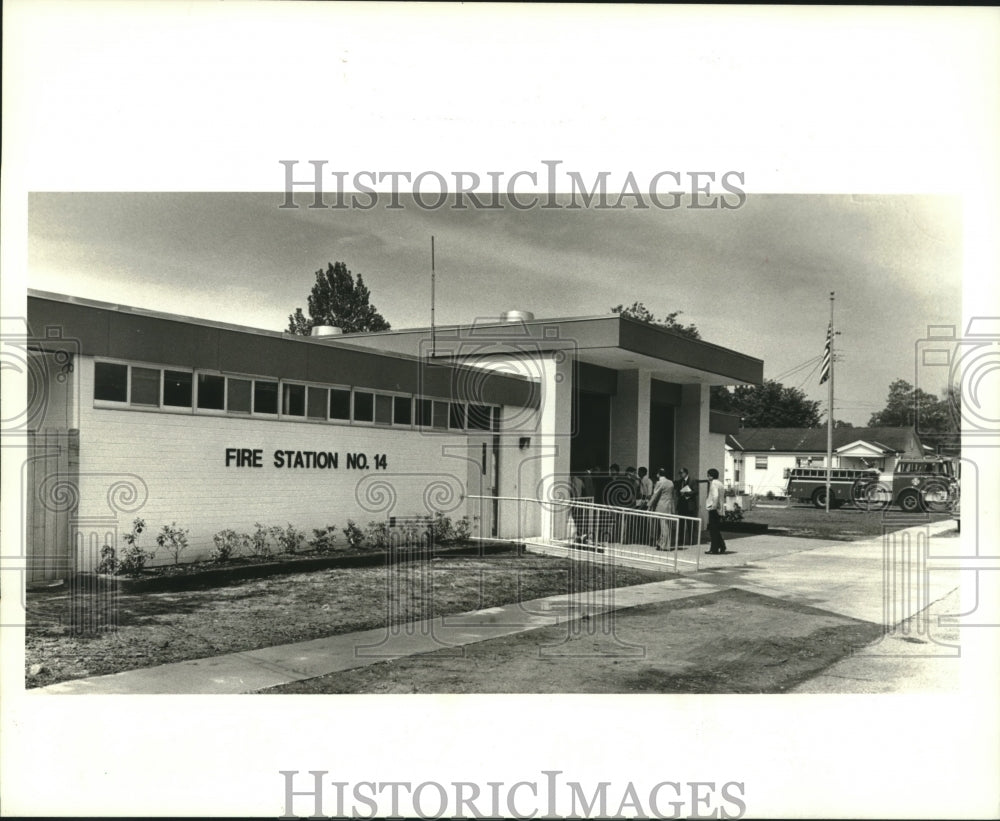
pixel 326 330
pixel 517 316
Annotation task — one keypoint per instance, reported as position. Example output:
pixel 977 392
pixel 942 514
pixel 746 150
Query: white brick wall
pixel 180 460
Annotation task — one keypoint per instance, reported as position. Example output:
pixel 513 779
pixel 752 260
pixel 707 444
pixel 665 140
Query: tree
pixel 907 406
pixel 338 299
pixel 842 423
pixel 937 421
pixel 640 312
pixel 770 405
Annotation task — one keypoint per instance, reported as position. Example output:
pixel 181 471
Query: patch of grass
pixel 78 633
pixel 847 523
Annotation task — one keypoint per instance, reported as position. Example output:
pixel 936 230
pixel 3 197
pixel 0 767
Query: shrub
pixel 289 539
pixel 108 563
pixel 228 543
pixel 355 535
pixel 444 531
pixel 260 541
pixel 324 540
pixel 769 494
pixel 131 559
pixel 463 529
pixel 173 539
pixel 441 529
pixel 378 535
pixel 734 515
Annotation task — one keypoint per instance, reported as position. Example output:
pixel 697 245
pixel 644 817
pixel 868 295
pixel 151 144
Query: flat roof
pixel 610 341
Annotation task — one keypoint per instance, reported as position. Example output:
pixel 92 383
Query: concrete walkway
pixel 885 582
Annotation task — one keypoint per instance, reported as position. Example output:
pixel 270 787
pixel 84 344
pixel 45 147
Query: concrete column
pixel 693 442
pixel 555 426
pixel 643 399
pixel 630 419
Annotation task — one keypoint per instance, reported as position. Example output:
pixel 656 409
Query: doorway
pixel 591 442
pixel 661 438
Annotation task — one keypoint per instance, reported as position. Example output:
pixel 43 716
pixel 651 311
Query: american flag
pixel 824 374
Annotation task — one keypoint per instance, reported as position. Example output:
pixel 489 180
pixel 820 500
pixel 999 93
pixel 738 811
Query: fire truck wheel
pixel 935 497
pixel 909 501
pixel 819 497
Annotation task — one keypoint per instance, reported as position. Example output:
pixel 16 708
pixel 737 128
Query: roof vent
pixel 516 316
pixel 325 330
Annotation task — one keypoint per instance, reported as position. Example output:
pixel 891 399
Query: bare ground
pixel 73 634
pixel 726 642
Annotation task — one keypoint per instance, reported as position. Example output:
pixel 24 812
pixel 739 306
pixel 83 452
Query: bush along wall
pixel 266 550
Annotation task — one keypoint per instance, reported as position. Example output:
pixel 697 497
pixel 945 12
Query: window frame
pixel 445 408
pixel 112 403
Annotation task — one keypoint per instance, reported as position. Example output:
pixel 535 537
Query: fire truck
pixel 809 485
pixel 927 484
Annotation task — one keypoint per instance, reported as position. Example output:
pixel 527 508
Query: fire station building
pixel 136 413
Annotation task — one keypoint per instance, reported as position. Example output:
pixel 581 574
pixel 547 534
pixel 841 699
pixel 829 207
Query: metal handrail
pixel 597 528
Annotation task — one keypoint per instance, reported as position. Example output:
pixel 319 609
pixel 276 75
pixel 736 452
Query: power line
pixel 808 376
pixel 798 367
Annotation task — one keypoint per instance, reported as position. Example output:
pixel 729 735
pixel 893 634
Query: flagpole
pixel 829 414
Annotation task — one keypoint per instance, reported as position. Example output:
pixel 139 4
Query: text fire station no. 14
pixel 319 459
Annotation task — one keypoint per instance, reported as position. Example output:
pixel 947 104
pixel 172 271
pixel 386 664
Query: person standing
pixel 714 504
pixel 662 501
pixel 645 489
pixel 686 495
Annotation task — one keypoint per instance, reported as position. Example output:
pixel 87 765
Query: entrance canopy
pixel 613 342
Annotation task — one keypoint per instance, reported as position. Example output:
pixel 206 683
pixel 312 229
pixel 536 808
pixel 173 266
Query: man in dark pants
pixel 714 504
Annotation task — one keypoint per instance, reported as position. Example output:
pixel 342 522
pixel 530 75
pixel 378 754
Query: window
pixel 317 403
pixel 760 462
pixel 456 416
pixel 145 387
pixel 480 417
pixel 425 413
pixel 441 415
pixel 238 395
pixel 293 400
pixel 265 397
pixel 383 409
pixel 364 406
pixel 401 410
pixel 211 391
pixel 177 389
pixel 340 403
pixel 110 382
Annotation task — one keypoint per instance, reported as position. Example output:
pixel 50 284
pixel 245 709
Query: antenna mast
pixel 433 332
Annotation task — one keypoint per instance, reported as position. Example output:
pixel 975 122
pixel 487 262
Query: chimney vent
pixel 326 330
pixel 517 316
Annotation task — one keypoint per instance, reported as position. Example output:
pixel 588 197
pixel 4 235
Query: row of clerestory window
pixel 142 387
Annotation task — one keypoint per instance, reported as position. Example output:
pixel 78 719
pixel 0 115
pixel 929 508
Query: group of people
pixel 635 490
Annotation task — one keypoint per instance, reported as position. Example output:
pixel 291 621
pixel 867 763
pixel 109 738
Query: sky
pixel 756 279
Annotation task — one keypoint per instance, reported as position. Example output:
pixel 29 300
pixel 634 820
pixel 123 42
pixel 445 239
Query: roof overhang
pixel 612 342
